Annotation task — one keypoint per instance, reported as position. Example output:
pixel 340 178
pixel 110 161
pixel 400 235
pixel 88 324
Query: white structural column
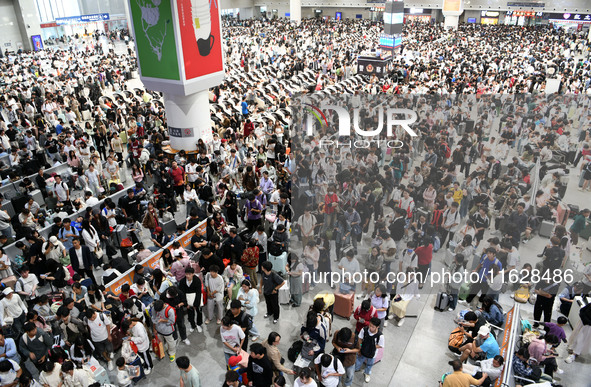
pixel 188 119
pixel 451 21
pixel 452 9
pixel 295 11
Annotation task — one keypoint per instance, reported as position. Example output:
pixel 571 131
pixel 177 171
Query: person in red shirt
pixel 135 148
pixel 363 314
pixel 248 128
pixel 331 201
pixel 177 174
pixel 126 292
pixel 424 258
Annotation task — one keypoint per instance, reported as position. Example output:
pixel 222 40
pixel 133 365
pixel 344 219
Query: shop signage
pixel 95 17
pixel 525 4
pixel 570 17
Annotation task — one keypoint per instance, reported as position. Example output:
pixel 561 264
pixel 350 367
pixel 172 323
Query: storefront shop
pixel 489 17
pixel 569 20
pixel 523 18
pixel 412 15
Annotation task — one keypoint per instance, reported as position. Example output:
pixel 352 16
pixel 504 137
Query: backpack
pixel 168 307
pixel 248 318
pixel 456 338
pixel 369 347
pixel 294 351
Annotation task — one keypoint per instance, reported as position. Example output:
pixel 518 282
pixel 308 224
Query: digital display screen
pixel 389 41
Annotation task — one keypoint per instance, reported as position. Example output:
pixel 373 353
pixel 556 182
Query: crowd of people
pixel 493 164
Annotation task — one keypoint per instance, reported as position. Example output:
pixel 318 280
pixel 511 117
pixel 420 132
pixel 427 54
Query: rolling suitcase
pixel 278 262
pixel 546 228
pixel 284 295
pixel 442 301
pixel 343 304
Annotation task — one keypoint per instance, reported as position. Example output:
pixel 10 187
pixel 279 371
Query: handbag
pixel 126 242
pixel 65 260
pixel 158 347
pixel 99 252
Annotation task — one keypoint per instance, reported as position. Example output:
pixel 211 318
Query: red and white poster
pixel 201 37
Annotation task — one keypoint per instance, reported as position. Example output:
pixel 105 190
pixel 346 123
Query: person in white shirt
pixel 405 292
pixel 75 377
pixel 371 341
pixel 126 373
pixel 329 370
pixel 451 223
pixel 26 286
pixel 100 334
pixel 307 223
pixel 191 172
pixel 10 372
pixel 139 336
pixel 61 190
pixel 304 379
pixel 12 311
pixel 191 198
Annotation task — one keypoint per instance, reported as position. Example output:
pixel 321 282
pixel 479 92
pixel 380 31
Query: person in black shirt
pixel 260 368
pixel 177 299
pixel 233 247
pixel 207 259
pixel 51 146
pixel 40 181
pixel 546 293
pixel 130 205
pixel 191 285
pixel 197 241
pixel 269 286
pixel 240 318
pixel 56 227
pixel 471 324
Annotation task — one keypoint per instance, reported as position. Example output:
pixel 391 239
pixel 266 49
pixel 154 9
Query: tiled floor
pixel 416 354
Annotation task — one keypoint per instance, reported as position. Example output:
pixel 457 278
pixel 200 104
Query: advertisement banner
pixel 154 37
pixel 452 5
pixel 37 42
pixel 201 37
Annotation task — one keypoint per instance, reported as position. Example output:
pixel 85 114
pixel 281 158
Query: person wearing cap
pixel 13 311
pixel 54 249
pixel 488 349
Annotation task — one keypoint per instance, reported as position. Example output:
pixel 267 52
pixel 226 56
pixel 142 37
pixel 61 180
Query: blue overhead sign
pixel 95 17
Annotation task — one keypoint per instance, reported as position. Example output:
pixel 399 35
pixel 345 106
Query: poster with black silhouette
pixel 201 37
